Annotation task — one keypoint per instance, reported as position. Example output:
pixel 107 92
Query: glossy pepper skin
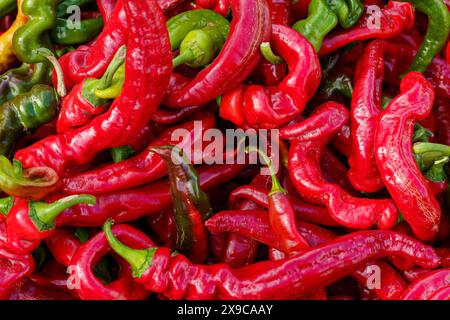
pixel 140 169
pixel 365 109
pixel 425 288
pixel 394 18
pixel 158 270
pixel 134 203
pixel 25 113
pixel 236 61
pixel 393 154
pixel 89 254
pixel 115 127
pixel 304 168
pixel 271 107
pixel 87 30
pixel 436 35
pixel 63 244
pixel 27 223
pixel 7 56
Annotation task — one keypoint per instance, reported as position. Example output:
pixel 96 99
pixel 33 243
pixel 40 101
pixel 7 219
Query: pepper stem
pixel 425 147
pixel 61 88
pixel 119 58
pixel 46 213
pixel 186 55
pixel 138 259
pixel 276 185
pixel 269 55
pixel 5 205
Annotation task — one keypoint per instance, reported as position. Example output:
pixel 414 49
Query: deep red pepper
pixel 258 106
pixel 280 12
pixel 164 225
pixel 30 290
pixel 425 288
pixel 115 127
pixel 239 56
pixel 173 116
pixel 220 6
pixel 143 168
pixel 443 294
pixel 106 9
pixel 413 275
pixel 438 73
pixel 318 267
pixel 304 168
pixel 335 171
pixel 394 18
pixel 394 157
pixel 134 203
pixel 89 287
pixel 63 244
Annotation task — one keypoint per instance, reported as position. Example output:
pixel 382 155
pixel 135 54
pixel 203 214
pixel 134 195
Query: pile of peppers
pixel 100 199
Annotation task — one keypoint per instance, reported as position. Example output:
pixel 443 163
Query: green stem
pixel 269 55
pixel 119 58
pixel 183 57
pixel 5 205
pixel 425 147
pixel 138 259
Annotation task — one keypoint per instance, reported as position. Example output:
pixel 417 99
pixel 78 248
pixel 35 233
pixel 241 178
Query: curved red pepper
pixel 394 157
pixel 173 116
pixel 13 268
pixel 106 9
pixel 89 287
pixel 304 168
pixel 257 106
pixel 141 169
pixel 239 56
pixel 63 244
pixel 425 288
pixel 115 127
pixel 394 18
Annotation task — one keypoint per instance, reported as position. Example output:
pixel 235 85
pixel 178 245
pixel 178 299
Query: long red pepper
pixel 143 168
pixel 239 56
pixel 134 203
pixel 143 89
pixel 365 109
pixel 395 160
pixel 160 272
pixel 90 287
pixel 425 288
pixel 258 106
pixel 305 172
pixel 393 19
pixel 63 244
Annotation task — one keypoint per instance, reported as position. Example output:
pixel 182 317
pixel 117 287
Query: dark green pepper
pixel 62 12
pixel 41 15
pixel 25 113
pixel 121 153
pixel 64 33
pixel 7 7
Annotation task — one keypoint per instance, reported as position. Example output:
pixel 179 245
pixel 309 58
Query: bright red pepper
pixel 257 106
pixel 63 244
pixel 425 288
pixel 394 157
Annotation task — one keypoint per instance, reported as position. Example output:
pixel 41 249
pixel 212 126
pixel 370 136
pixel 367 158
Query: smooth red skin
pixel 269 74
pixel 13 268
pixel 29 290
pixel 365 110
pixel 306 174
pixel 63 244
pixel 342 141
pixel 173 116
pixel 106 9
pixel 148 64
pixel 395 18
pixel 76 111
pixel 90 253
pixel 140 169
pixel 236 61
pixel 393 151
pixel 131 204
pixel 271 107
pixel 443 294
pixel 315 269
pixel 335 171
pixel 257 226
pixel 280 12
pixel 302 210
pixel 425 288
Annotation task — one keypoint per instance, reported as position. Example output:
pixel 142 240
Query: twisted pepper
pixel 257 106
pixel 396 163
pixel 318 267
pixel 304 169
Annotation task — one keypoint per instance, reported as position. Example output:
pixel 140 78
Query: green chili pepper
pixel 65 33
pixel 33 35
pixel 191 204
pixel 437 32
pixel 347 11
pixel 25 113
pixel 62 12
pixel 7 7
pixel 115 87
pixel 121 153
pixel 437 172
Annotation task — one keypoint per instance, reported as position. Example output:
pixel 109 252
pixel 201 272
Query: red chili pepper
pixel 143 168
pixel 106 9
pixel 394 157
pixel 131 204
pixel 304 168
pixel 413 275
pixel 173 116
pixel 27 223
pixel 257 106
pixel 280 12
pixel 220 6
pixel 438 73
pixel 318 267
pixel 89 287
pixel 114 128
pixel 13 268
pixel 239 56
pixel 393 19
pixel 164 225
pixel 335 171
pixel 443 294
pixel 425 288
pixel 63 244
pixel 30 290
